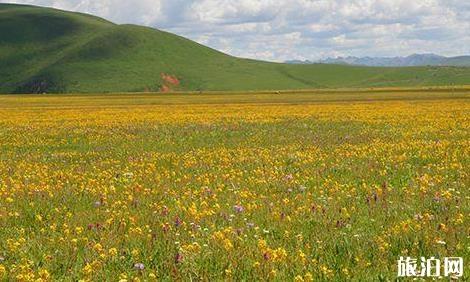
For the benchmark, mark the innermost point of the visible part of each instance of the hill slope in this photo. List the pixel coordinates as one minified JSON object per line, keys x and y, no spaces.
{"x":48,"y":50}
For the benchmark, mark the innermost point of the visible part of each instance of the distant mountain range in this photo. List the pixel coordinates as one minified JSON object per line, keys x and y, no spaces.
{"x":409,"y":61}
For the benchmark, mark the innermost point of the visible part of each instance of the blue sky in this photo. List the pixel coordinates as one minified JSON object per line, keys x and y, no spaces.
{"x":279,"y":30}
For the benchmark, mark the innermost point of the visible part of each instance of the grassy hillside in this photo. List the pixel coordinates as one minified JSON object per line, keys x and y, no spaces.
{"x":47,"y":50}
{"x":459,"y":61}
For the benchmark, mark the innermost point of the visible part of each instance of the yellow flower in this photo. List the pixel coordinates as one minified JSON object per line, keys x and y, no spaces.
{"x":79,"y":230}
{"x":88,"y":269}
{"x":44,"y":274}
{"x":262,"y":244}
{"x":279,"y":255}
{"x":135,"y":253}
{"x":459,"y":219}
{"x":273,"y":273}
{"x":113,"y":252}
{"x":227,"y":244}
{"x":302,"y":257}
{"x":97,"y":247}
{"x":123,"y":277}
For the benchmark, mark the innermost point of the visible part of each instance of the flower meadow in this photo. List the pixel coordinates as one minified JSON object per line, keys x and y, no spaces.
{"x":132,"y":189}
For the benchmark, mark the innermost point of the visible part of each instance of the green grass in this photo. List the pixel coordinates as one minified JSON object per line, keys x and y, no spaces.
{"x":46,"y":50}
{"x":334,"y":185}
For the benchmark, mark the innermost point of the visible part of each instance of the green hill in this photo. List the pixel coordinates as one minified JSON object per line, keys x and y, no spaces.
{"x":48,"y":50}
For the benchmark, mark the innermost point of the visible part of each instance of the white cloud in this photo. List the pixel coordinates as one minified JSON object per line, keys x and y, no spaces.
{"x":304,"y":29}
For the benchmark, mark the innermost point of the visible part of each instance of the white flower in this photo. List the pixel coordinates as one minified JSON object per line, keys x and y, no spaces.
{"x":139,"y":266}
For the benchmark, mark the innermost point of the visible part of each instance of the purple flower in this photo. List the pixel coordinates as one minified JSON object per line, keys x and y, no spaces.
{"x":238,"y":208}
{"x":288,"y":177}
{"x":178,"y":221}
{"x":266,"y":256}
{"x":178,"y":258}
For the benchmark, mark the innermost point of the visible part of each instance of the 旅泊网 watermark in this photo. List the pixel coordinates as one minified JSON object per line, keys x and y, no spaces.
{"x":430,"y":267}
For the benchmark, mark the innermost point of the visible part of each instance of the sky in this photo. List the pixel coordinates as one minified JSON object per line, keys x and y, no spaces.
{"x":279,"y":30}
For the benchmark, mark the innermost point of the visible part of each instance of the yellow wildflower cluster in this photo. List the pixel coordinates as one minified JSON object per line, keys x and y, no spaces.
{"x":129,"y":188}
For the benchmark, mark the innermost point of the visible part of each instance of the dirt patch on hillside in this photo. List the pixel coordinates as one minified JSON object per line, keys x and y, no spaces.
{"x":169,"y":83}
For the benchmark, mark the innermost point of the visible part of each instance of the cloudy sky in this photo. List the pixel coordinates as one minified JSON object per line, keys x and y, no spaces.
{"x":280,"y":30}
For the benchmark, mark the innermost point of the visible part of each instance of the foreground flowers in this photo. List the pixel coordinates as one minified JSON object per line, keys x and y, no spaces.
{"x":289,"y":192}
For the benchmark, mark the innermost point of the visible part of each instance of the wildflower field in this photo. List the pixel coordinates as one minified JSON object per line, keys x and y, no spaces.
{"x":278,"y":187}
